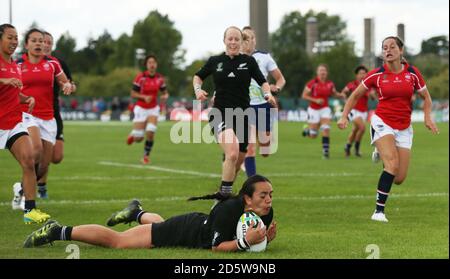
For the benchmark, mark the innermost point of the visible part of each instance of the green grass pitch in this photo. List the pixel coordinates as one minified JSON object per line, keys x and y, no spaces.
{"x":322,"y":207}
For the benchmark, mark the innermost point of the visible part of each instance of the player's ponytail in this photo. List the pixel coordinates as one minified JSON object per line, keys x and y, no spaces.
{"x":248,"y":188}
{"x":216,"y":196}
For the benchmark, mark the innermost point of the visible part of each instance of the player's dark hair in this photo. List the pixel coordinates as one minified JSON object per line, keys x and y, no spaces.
{"x":31,"y":31}
{"x":399,"y":42}
{"x":5,"y":26}
{"x":47,"y":33}
{"x":323,"y":65}
{"x":359,"y":68}
{"x":148,"y":57}
{"x":248,"y":188}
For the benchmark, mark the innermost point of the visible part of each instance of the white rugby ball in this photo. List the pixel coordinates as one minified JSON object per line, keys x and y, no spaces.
{"x":242,"y":228}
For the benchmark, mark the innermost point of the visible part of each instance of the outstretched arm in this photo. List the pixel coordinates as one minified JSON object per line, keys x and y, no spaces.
{"x":427,"y":106}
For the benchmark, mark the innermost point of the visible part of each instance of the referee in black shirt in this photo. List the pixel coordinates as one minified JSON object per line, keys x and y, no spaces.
{"x":232,"y":73}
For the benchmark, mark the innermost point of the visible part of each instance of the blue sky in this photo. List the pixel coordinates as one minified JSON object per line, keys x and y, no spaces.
{"x":202,"y":22}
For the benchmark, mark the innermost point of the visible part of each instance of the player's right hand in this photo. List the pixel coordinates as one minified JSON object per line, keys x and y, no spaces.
{"x":255,"y":235}
{"x":147,"y":99}
{"x":13,"y":82}
{"x":201,"y":95}
{"x":31,"y":102}
{"x":319,"y":101}
{"x":342,"y":123}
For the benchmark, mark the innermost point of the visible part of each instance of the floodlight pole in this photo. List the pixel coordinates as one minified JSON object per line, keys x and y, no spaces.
{"x":10,"y":11}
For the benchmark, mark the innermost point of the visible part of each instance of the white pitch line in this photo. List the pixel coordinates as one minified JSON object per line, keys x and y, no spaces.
{"x":101,"y":178}
{"x":310,"y":174}
{"x":113,"y":164}
{"x":214,"y":175}
{"x":175,"y":198}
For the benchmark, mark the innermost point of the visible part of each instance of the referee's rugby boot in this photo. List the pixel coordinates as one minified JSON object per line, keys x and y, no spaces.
{"x":379,"y":216}
{"x":18,"y":201}
{"x":35,"y":216}
{"x":126,"y":215}
{"x":46,"y":234}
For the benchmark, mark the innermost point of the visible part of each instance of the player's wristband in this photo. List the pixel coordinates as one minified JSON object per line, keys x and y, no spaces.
{"x":267,"y":95}
{"x":197,"y":88}
{"x":242,"y":244}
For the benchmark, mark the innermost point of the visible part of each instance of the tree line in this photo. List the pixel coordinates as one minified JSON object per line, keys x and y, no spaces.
{"x":106,"y":67}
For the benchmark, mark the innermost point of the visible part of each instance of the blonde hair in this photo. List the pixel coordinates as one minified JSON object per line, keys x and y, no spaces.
{"x":231,"y":27}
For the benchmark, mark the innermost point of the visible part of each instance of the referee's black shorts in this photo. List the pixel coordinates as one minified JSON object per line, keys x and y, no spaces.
{"x":219,"y":122}
{"x":59,"y":125}
{"x":180,"y":231}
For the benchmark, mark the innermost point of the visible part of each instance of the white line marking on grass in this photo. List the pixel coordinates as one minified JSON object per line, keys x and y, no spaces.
{"x":310,"y":174}
{"x":113,"y":164}
{"x":136,"y":166}
{"x":101,"y":178}
{"x":171,"y":199}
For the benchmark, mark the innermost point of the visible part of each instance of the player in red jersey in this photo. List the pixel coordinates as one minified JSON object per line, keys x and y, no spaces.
{"x":38,"y":75}
{"x":146,"y":86}
{"x":13,"y":134}
{"x":58,"y":148}
{"x":358,"y":114}
{"x":391,"y":130}
{"x":317,"y":92}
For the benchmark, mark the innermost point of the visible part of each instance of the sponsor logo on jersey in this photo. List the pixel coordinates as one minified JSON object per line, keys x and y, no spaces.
{"x":231,"y":75}
{"x":242,"y":66}
{"x":219,"y":67}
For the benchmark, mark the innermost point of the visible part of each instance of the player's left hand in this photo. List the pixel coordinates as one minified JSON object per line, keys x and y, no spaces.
{"x":272,"y":231}
{"x":429,"y":123}
{"x":67,"y":87}
{"x":31,"y":102}
{"x":342,"y":123}
{"x":271,"y":99}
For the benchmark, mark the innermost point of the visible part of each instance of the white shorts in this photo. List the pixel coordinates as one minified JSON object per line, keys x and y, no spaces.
{"x":354,"y":113}
{"x":403,"y":138}
{"x":141,"y":114}
{"x":314,"y":115}
{"x":47,"y":128}
{"x":13,"y":134}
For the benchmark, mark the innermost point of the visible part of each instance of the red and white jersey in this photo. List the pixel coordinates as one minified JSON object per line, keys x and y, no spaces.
{"x":322,"y":90}
{"x":10,"y":110}
{"x":38,"y":80}
{"x":361,"y":105}
{"x":394,"y":93}
{"x":149,"y":86}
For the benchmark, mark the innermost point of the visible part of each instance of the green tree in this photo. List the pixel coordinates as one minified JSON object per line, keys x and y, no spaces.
{"x":289,"y":41}
{"x":116,"y":83}
{"x":156,"y":34}
{"x":341,"y":61}
{"x":65,"y":50}
{"x":436,"y":45}
{"x":429,"y":64}
{"x":438,"y":85}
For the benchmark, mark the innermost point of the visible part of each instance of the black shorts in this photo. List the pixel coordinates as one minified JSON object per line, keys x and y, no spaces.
{"x":59,"y":126}
{"x":180,"y":231}
{"x":240,"y":125}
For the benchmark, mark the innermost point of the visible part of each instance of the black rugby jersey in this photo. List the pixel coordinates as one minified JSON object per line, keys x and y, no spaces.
{"x":56,"y":86}
{"x":222,"y":222}
{"x":232,"y":77}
